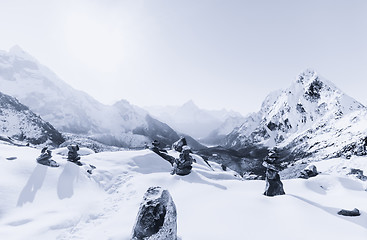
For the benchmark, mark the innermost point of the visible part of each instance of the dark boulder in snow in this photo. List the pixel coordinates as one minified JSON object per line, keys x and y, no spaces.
{"x":157,"y":217}
{"x":309,"y":171}
{"x":350,"y":213}
{"x":179,"y":144}
{"x":273,"y":186}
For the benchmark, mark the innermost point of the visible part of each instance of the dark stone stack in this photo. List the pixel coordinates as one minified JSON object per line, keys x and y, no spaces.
{"x":73,"y":155}
{"x":157,"y":217}
{"x":45,"y":158}
{"x":309,"y":171}
{"x":179,"y":144}
{"x":273,"y":186}
{"x":183,"y":164}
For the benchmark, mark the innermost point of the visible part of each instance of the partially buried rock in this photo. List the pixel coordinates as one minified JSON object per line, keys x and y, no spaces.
{"x":157,"y":217}
{"x":273,"y":186}
{"x":350,"y":213}
{"x":309,"y":171}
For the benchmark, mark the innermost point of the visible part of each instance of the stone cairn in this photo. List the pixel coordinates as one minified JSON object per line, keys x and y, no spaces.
{"x":157,"y":217}
{"x":273,"y":186}
{"x":45,"y":158}
{"x":183,"y":164}
{"x":73,"y":155}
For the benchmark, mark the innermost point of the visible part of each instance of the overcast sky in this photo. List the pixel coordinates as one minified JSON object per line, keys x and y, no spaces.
{"x":221,"y":54}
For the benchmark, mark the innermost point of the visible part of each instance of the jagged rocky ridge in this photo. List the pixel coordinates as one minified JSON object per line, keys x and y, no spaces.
{"x":73,"y":111}
{"x":312,"y":118}
{"x":19,"y":123}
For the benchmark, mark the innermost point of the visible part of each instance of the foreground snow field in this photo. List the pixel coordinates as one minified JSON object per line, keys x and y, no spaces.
{"x":39,"y":202}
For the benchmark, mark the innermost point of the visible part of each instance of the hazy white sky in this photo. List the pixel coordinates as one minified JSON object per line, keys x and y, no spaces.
{"x":219,"y":53}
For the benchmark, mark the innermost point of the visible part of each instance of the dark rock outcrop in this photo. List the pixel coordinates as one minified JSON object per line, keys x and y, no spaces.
{"x":18,"y":122}
{"x":350,"y":213}
{"x":309,"y":171}
{"x":358,"y":173}
{"x":157,"y":217}
{"x":273,"y":186}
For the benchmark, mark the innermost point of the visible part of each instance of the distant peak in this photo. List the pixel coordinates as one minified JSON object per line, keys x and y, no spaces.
{"x":189,"y":103}
{"x":307,"y":76}
{"x":122,"y":102}
{"x":19,"y":52}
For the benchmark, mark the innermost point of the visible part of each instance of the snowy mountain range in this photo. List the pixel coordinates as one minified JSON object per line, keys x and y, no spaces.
{"x":310,"y":118}
{"x":19,"y":123}
{"x":73,"y":111}
{"x":197,"y":122}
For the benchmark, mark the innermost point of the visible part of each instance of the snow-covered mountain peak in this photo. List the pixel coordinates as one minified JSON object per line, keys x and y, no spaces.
{"x":74,"y":111}
{"x":189,"y":106}
{"x":306,"y":76}
{"x":17,"y":52}
{"x":310,"y":104}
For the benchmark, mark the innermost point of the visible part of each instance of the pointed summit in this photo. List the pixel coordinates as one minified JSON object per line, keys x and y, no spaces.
{"x":17,"y":51}
{"x":190,"y":104}
{"x":307,"y":76}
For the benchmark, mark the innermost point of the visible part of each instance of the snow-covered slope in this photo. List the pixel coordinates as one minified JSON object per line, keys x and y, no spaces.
{"x":73,"y":111}
{"x":44,"y":203}
{"x":19,"y":123}
{"x":192,"y":120}
{"x":311,"y":116}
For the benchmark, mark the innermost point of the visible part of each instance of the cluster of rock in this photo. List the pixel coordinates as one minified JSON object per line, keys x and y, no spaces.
{"x":358,"y":148}
{"x":358,"y":173}
{"x":273,"y":186}
{"x":157,"y":217}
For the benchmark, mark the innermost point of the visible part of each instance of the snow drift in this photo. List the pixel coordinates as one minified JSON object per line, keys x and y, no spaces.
{"x":38,"y":202}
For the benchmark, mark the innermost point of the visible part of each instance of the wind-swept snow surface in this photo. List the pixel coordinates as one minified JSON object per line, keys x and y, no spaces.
{"x":38,"y":202}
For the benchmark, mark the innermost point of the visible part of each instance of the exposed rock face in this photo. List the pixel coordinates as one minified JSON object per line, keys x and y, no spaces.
{"x":358,"y":173}
{"x":179,"y":144}
{"x":350,"y":213}
{"x":309,"y":171}
{"x":157,"y":217}
{"x":18,"y":122}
